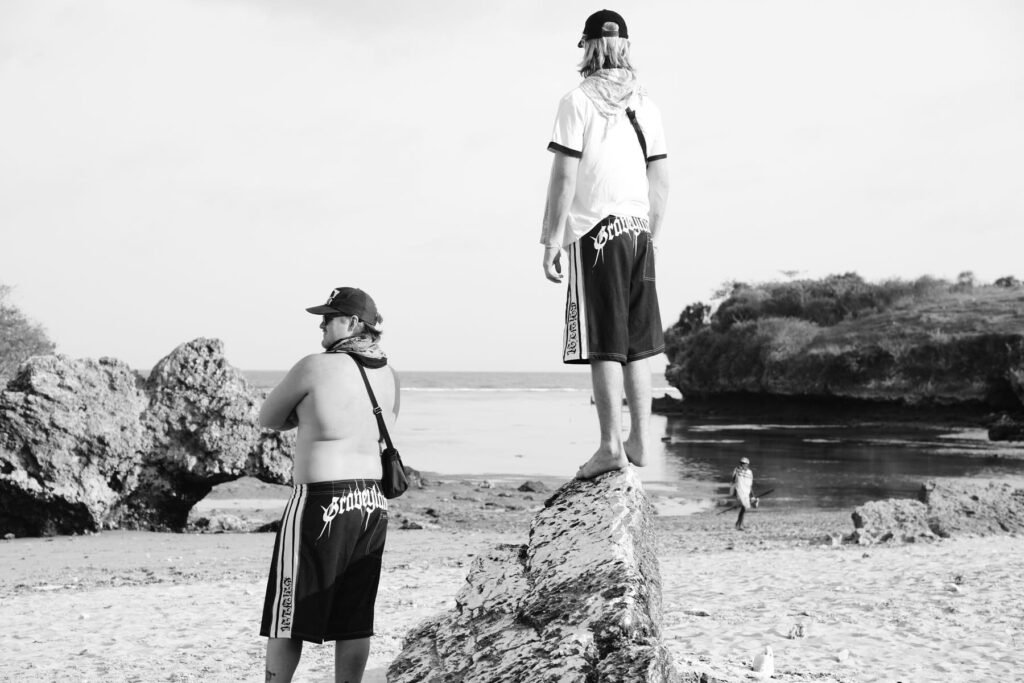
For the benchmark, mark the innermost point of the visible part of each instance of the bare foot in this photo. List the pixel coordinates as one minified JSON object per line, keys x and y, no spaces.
{"x":636,"y":450}
{"x":600,"y":462}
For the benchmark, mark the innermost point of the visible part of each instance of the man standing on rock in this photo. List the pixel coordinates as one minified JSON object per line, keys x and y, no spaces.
{"x":327,"y":555}
{"x":605,"y":204}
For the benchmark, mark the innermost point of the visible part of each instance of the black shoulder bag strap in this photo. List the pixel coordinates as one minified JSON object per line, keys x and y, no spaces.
{"x":377,"y":412}
{"x":639,"y":133}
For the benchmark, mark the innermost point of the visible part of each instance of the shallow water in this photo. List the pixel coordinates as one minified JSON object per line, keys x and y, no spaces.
{"x":837,"y":465}
{"x":808,"y":465}
{"x":523,"y":424}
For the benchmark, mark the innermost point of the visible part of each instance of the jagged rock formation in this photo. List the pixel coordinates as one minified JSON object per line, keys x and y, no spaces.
{"x":942,"y":510}
{"x":885,"y":520}
{"x":581,"y":601}
{"x":971,"y":371}
{"x":923,"y":345}
{"x":979,"y":509}
{"x":87,"y":445}
{"x":1008,"y":428}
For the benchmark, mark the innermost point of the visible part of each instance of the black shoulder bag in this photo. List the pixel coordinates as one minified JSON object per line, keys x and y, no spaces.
{"x":393,"y":481}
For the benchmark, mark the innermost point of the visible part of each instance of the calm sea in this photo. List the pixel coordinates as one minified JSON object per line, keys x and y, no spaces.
{"x":510,"y":424}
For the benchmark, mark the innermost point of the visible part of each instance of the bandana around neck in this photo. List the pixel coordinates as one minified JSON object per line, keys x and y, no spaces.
{"x":611,"y":90}
{"x":363,"y":348}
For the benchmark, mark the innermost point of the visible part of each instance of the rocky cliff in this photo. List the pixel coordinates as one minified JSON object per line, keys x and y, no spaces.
{"x":843,"y":339}
{"x":87,"y":445}
{"x":580,"y":601}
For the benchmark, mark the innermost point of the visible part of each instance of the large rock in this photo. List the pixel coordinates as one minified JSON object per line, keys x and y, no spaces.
{"x":71,"y":439}
{"x":1016,"y":378}
{"x":962,"y":508}
{"x":884,"y":520}
{"x":581,"y":601}
{"x":1006,"y":428}
{"x":86,"y":445}
{"x":851,"y":362}
{"x":942,"y":509}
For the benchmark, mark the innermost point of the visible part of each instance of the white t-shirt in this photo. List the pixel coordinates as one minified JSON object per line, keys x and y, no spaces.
{"x":612,"y":175}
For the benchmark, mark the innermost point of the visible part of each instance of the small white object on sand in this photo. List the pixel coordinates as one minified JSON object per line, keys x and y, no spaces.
{"x":764,"y":663}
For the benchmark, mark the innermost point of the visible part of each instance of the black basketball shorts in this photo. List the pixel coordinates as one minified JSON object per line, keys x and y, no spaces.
{"x":611,"y":307}
{"x":326,"y":565}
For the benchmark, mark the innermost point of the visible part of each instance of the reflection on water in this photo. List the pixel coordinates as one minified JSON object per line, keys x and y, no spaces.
{"x":833,"y":465}
{"x":830,"y":464}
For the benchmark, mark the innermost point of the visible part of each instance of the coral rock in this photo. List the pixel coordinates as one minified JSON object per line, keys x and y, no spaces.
{"x":86,"y":445}
{"x":961,"y":508}
{"x":943,"y":509}
{"x":883,"y":520}
{"x":580,"y":601}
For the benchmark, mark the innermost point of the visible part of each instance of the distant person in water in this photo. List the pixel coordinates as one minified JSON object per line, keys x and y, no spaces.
{"x":605,"y":204}
{"x":742,"y":485}
{"x":327,"y":555}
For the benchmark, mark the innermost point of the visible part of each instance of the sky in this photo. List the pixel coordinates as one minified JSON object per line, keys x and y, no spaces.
{"x":210,"y":168}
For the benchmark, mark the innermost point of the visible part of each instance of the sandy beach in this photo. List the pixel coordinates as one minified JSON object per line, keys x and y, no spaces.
{"x":140,"y":606}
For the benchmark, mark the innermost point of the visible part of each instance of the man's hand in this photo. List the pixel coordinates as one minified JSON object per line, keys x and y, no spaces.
{"x":553,"y":263}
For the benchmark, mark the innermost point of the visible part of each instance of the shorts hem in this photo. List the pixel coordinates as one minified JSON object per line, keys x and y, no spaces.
{"x":351,"y":636}
{"x":321,"y":640}
{"x":646,"y":354}
{"x":616,"y":357}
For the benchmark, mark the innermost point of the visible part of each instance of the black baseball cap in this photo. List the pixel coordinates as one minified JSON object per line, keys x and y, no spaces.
{"x":604,"y":24}
{"x":350,"y":301}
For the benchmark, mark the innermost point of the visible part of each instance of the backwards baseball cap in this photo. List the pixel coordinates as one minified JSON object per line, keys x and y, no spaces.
{"x":604,"y":24}
{"x":350,"y":301}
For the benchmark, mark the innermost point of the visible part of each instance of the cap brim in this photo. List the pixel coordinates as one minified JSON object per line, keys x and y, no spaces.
{"x":322,"y":310}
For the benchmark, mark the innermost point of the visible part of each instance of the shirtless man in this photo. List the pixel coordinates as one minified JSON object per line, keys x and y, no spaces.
{"x":327,"y":555}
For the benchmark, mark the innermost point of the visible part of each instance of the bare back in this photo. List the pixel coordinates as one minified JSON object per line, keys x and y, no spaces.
{"x":337,"y":431}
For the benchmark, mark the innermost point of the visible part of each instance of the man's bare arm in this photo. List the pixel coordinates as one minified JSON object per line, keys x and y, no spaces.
{"x":278,"y":411}
{"x":398,"y":393}
{"x":657,"y":180}
{"x":561,"y":188}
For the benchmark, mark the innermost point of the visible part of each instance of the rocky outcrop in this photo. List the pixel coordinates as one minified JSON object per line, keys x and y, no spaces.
{"x":979,"y":509}
{"x":1006,"y":428}
{"x":885,"y":520}
{"x":87,"y":445}
{"x":666,"y":405}
{"x":967,"y":371}
{"x":923,"y":345}
{"x":942,"y":510}
{"x":581,"y":601}
{"x":71,"y":439}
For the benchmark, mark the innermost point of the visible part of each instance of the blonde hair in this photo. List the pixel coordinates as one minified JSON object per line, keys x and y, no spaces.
{"x":605,"y":53}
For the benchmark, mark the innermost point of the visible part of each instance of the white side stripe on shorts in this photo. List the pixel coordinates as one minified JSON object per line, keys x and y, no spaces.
{"x":287,"y":565}
{"x":574,"y":341}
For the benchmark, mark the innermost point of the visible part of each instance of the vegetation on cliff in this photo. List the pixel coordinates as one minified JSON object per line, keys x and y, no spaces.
{"x":20,"y":337}
{"x":923,"y":341}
